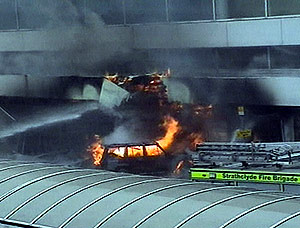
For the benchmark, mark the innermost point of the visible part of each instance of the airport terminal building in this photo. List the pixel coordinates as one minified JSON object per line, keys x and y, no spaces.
{"x":149,"y":87}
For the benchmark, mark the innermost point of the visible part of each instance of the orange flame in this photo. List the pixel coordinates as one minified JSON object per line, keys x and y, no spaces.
{"x":136,"y":151}
{"x":178,"y":168}
{"x":97,"y":151}
{"x":172,"y":127}
{"x":153,"y":150}
{"x":119,"y":151}
{"x":195,"y":138}
{"x":181,"y":165}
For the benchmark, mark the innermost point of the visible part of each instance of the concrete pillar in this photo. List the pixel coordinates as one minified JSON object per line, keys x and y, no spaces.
{"x":287,"y":129}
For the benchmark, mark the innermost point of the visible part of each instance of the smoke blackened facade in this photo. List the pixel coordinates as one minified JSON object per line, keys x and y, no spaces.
{"x":223,"y":55}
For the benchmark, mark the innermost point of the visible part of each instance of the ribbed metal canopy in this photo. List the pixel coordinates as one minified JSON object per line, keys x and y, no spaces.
{"x":43,"y":195}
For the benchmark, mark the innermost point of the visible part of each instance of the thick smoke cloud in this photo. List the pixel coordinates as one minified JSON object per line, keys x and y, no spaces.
{"x":73,"y":42}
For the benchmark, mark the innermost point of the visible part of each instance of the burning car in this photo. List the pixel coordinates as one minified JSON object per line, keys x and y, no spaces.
{"x":142,"y":158}
{"x":149,"y":157}
{"x":135,"y":158}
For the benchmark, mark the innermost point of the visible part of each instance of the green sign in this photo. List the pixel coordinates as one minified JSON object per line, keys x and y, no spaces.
{"x":245,"y":176}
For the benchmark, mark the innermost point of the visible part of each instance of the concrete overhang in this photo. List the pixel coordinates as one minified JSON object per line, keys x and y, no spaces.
{"x":211,"y":34}
{"x":277,"y":91}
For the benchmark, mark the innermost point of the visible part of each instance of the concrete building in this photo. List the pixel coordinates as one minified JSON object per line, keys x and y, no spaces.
{"x":228,"y":53}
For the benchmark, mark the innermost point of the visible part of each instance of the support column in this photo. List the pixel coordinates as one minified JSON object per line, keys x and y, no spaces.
{"x":287,"y":129}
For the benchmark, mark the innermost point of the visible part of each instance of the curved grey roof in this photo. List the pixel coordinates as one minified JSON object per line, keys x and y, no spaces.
{"x":43,"y":195}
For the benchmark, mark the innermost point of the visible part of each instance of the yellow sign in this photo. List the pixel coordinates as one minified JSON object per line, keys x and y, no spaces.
{"x":241,"y":110}
{"x":244,"y":134}
{"x":245,"y":176}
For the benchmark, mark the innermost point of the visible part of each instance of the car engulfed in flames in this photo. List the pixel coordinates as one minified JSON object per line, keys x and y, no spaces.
{"x":135,"y":158}
{"x":138,"y":157}
{"x":124,"y":151}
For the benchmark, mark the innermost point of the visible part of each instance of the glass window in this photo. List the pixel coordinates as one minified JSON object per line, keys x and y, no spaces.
{"x":239,"y":8}
{"x":118,"y":151}
{"x":153,"y":150}
{"x":111,"y":11}
{"x":145,"y":11}
{"x":190,"y":10}
{"x":7,"y":15}
{"x":284,"y":7}
{"x":135,"y":151}
{"x":242,"y":58}
{"x":285,"y":57}
{"x":79,"y":6}
{"x":50,"y":13}
{"x":31,"y":14}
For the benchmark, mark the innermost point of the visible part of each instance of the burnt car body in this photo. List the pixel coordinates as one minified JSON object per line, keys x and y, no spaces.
{"x":142,"y":158}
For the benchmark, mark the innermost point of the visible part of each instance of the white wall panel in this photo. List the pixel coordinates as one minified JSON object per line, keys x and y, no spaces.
{"x":11,"y":41}
{"x":254,"y":33}
{"x":291,"y":31}
{"x":202,"y":34}
{"x":59,"y":39}
{"x":285,"y":91}
{"x":244,"y":33}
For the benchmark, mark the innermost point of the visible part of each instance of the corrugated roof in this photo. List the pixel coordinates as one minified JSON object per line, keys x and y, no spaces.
{"x":43,"y":195}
